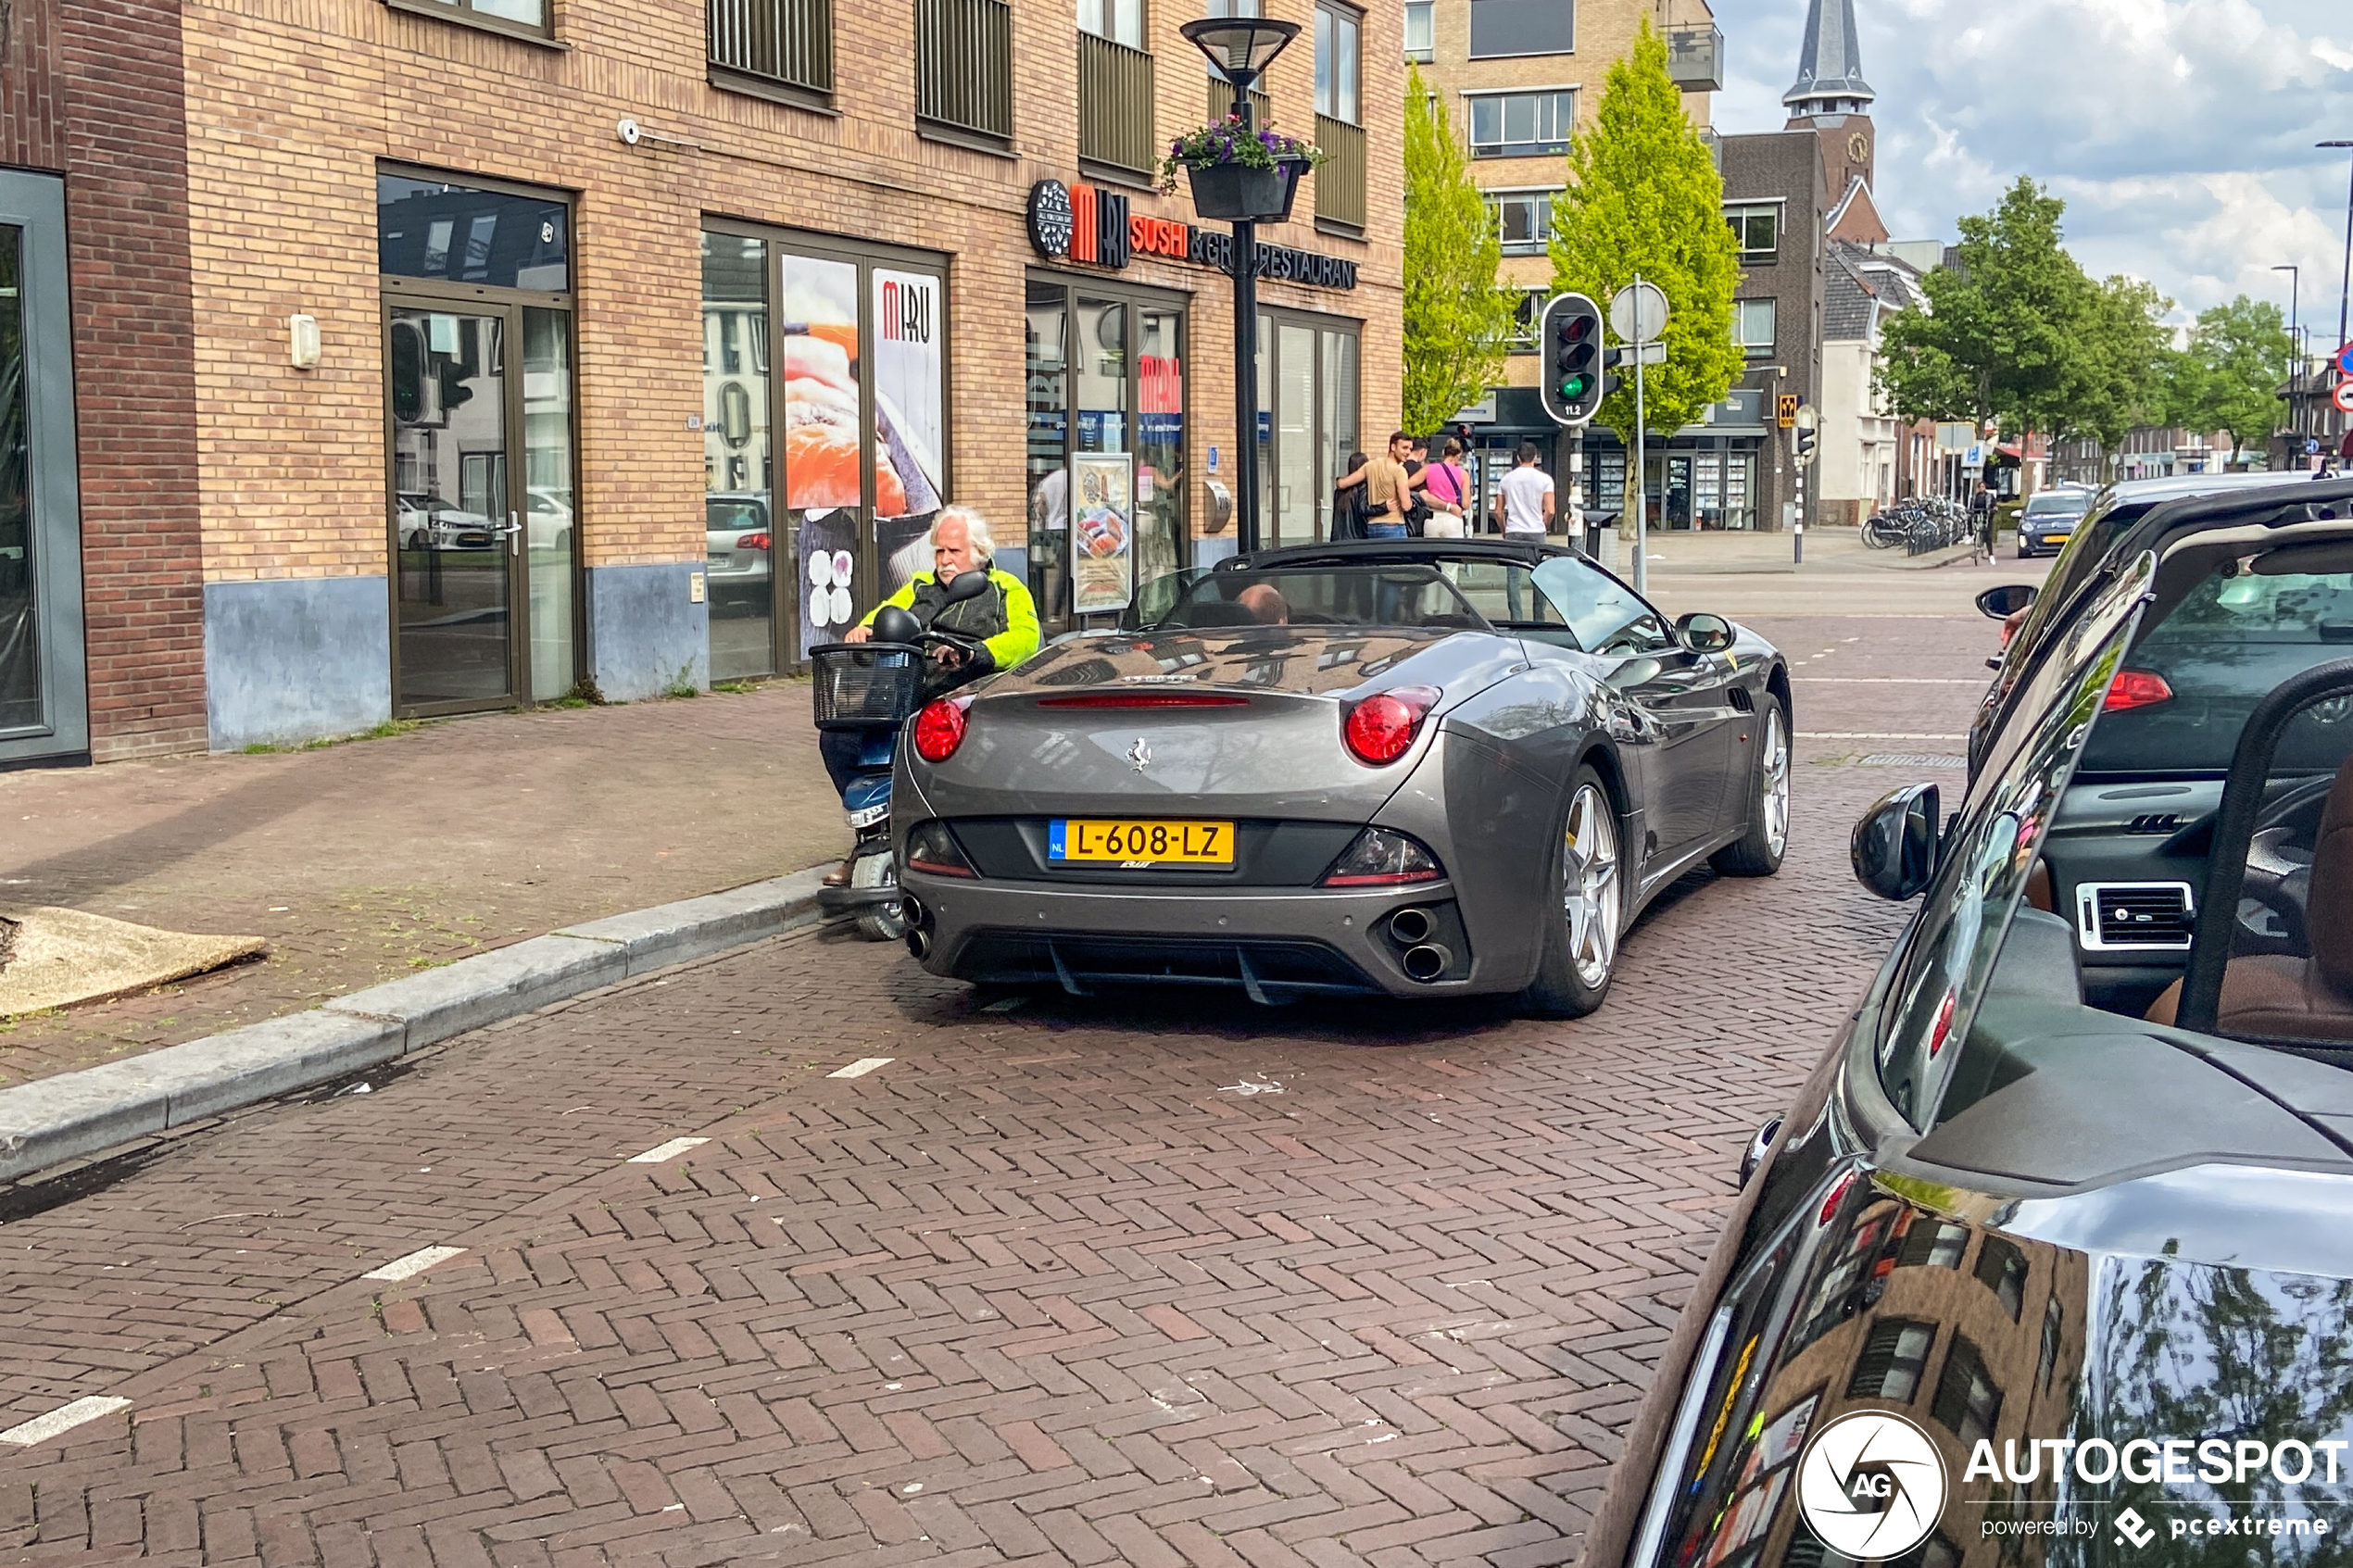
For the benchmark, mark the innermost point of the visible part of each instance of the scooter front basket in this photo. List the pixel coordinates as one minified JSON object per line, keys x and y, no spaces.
{"x":859,"y":685}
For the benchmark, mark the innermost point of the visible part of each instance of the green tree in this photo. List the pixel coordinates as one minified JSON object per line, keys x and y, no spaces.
{"x":2003,"y":328}
{"x":2228,"y":377}
{"x":2118,"y":375}
{"x":1458,"y":322}
{"x":1645,"y":198}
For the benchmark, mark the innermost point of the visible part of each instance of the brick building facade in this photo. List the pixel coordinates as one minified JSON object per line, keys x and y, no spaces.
{"x":570,"y":267}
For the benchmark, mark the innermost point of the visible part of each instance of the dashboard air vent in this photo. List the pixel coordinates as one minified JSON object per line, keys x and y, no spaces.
{"x":2127,"y":916}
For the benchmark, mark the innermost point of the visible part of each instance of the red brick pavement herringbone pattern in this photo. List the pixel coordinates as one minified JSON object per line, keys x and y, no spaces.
{"x":1047,"y":1288}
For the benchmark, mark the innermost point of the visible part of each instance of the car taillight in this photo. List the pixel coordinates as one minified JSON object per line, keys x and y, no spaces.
{"x":1381,"y":728}
{"x":939,"y":728}
{"x":931,"y":847}
{"x":2136,"y":688}
{"x":1837,"y":1195}
{"x":1379,"y":858}
{"x":752,"y":541}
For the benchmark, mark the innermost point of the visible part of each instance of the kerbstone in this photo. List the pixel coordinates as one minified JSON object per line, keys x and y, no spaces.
{"x":489,"y":987}
{"x":695,"y":928}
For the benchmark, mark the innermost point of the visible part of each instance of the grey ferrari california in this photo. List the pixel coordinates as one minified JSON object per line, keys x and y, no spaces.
{"x":1416,"y":768}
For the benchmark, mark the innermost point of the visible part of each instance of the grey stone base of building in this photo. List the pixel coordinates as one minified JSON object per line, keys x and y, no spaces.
{"x":647,"y":635}
{"x":294,"y":659}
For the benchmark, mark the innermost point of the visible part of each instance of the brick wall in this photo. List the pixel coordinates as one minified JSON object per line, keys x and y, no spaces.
{"x":91,"y":89}
{"x":293,"y":102}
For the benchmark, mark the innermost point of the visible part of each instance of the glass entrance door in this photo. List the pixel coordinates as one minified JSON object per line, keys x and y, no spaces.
{"x":455,"y":529}
{"x":21,"y":695}
{"x":1667,"y":496}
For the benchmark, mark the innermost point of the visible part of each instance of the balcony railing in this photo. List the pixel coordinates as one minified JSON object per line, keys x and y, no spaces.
{"x":1713,"y":140}
{"x":1696,"y":58}
{"x":965,"y":65}
{"x":1115,"y":107}
{"x":789,"y":42}
{"x":1221,"y":103}
{"x":1339,"y":183}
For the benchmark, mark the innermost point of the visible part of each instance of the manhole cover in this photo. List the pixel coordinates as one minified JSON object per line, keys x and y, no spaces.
{"x":1910,"y":759}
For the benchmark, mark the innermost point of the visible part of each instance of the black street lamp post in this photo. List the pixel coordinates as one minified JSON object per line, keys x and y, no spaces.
{"x":2344,"y":289}
{"x":1240,"y":48}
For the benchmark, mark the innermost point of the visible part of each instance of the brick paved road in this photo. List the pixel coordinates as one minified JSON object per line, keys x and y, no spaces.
{"x":1053,"y":1285}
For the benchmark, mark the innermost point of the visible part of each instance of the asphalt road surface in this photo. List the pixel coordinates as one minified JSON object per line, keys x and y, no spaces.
{"x":799,"y":1256}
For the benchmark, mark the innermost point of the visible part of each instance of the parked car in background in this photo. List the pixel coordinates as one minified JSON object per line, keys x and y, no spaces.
{"x":741,"y":549}
{"x":2060,"y":1213}
{"x":429,"y":523}
{"x":2048,"y":517}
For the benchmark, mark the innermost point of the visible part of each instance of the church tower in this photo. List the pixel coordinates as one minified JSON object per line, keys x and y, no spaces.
{"x":1831,"y":99}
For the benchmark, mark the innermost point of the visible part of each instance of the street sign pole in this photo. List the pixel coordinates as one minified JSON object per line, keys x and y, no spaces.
{"x":1641,"y":467}
{"x":1801,"y":437}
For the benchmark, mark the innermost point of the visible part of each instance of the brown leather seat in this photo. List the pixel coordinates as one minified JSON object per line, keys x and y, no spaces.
{"x":2290,"y":997}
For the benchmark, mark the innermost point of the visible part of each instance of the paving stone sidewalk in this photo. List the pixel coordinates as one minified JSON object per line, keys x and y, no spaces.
{"x":371,"y":859}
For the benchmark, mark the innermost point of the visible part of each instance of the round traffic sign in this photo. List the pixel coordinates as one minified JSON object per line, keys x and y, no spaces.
{"x":2344,"y":359}
{"x":2343,"y":397}
{"x":1638,"y":313}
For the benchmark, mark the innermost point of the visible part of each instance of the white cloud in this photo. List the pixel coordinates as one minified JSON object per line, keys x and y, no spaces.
{"x":2179,"y":131}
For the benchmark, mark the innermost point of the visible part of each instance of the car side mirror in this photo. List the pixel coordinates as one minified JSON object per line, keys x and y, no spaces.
{"x":1704,"y":633}
{"x":965,"y":585}
{"x":1895,"y":846}
{"x":2000,"y":604}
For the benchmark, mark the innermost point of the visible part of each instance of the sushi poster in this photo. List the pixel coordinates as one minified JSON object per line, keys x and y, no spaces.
{"x":1102,"y":540}
{"x":821,"y":369}
{"x":908,"y":343}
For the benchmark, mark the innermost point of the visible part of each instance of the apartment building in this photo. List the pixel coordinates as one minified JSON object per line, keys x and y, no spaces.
{"x":1520,"y":77}
{"x":419,"y":357}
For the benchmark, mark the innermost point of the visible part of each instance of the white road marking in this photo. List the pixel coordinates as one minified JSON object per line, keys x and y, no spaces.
{"x":862,"y":1066}
{"x":415,"y":1263}
{"x":1890,"y":681}
{"x":1251,"y":1087}
{"x":1874,"y":735}
{"x":662,"y":1151}
{"x":65,"y":1418}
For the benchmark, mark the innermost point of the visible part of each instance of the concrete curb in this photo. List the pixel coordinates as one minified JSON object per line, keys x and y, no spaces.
{"x":53,"y":1120}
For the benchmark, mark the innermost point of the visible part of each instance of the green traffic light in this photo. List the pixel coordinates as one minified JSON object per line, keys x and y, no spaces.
{"x":1575,"y":388}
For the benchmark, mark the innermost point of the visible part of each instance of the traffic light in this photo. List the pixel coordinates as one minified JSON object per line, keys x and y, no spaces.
{"x":1569,"y":337}
{"x":1804,"y":436}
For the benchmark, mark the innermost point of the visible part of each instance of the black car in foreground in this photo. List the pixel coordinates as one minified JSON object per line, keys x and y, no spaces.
{"x":2052,"y":1259}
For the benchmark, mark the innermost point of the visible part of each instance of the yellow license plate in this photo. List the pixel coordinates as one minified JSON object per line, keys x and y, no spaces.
{"x":1125,"y":842}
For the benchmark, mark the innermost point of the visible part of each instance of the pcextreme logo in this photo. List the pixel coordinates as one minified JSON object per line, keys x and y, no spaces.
{"x":1872,"y":1485}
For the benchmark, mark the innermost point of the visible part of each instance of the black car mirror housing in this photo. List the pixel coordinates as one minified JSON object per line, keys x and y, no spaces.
{"x":2000,"y":604}
{"x":1896,"y":842}
{"x":1702,"y":633}
{"x":894,"y":624}
{"x":966,"y":585}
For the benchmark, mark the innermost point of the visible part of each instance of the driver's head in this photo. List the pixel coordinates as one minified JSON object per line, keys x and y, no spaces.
{"x":960,"y":543}
{"x":1264,"y":604}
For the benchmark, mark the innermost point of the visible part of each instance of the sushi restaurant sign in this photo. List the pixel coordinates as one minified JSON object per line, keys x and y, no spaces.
{"x":1082,"y":223}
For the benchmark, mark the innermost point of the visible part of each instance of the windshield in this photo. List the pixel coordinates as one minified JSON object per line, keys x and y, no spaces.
{"x":1991,"y":846}
{"x":2058,"y":503}
{"x":2196,"y":674}
{"x":1326,"y":595}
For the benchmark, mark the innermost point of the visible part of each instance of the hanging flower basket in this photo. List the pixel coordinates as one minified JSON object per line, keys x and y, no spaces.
{"x":1238,"y":174}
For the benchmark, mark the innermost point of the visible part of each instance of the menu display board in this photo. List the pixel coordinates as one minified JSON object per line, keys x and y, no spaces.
{"x":1102,"y":532}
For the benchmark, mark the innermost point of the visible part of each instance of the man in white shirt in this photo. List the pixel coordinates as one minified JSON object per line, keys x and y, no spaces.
{"x":1528,"y":496}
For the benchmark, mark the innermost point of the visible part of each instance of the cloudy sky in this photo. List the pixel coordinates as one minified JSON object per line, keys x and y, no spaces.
{"x":2179,"y":131}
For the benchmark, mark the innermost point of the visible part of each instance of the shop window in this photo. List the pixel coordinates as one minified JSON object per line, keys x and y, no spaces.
{"x":1524,"y":220}
{"x":44,"y":678}
{"x":1308,"y":384}
{"x":1936,"y":1244}
{"x":1503,"y":28}
{"x":1521,"y":124}
{"x":740,"y":535}
{"x":2054,"y":1318}
{"x":1421,"y":31}
{"x":1752,"y":326}
{"x":1756,"y":228}
{"x":527,"y":16}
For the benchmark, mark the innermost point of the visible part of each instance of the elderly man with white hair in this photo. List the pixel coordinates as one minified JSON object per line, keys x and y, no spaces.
{"x":1005,"y":620}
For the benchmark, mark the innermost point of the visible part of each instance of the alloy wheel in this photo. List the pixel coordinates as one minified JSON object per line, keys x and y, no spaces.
{"x":1775,"y":793}
{"x":1590,"y":886}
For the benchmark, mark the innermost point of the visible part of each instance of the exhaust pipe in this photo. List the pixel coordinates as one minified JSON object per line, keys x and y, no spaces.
{"x":918,"y":941}
{"x":1426,"y":961}
{"x":1409,"y":926}
{"x":912,"y":908}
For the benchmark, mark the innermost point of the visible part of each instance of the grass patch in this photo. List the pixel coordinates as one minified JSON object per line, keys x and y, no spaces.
{"x":384,"y":730}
